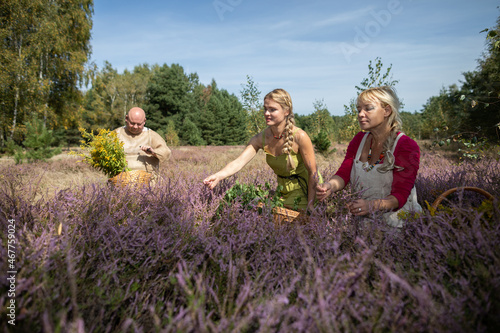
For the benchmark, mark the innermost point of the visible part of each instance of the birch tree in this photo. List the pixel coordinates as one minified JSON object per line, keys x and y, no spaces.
{"x":44,"y":46}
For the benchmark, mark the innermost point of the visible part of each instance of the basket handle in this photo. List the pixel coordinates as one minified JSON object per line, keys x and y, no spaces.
{"x":465,"y":188}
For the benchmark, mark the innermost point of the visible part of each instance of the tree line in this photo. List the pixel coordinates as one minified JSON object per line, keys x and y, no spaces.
{"x":44,"y":69}
{"x":177,"y":105}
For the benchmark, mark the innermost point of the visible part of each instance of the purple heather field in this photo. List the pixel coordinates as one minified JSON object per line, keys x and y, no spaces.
{"x":90,"y":257}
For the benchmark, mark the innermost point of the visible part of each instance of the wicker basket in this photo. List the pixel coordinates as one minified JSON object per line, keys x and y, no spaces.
{"x":134,"y":177}
{"x":450,"y":191}
{"x":285,"y":215}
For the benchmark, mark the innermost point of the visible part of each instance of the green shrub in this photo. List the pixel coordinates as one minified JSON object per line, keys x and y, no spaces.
{"x":38,"y":144}
{"x":322,"y":143}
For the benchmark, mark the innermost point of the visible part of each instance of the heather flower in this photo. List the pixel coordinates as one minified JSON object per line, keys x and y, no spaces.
{"x":156,"y":260}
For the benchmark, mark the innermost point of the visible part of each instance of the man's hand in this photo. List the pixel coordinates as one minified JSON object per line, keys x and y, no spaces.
{"x":148,"y":150}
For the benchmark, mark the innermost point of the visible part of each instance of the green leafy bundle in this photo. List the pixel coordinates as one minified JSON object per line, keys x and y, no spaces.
{"x":250,"y":196}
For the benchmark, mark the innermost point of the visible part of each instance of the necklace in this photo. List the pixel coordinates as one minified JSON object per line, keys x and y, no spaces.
{"x":277,"y":137}
{"x":368,"y":167}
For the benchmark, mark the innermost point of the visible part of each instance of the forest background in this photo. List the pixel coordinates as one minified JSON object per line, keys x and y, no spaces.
{"x":49,"y":89}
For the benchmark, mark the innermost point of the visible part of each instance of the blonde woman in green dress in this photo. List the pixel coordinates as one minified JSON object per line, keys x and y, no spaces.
{"x":289,"y":152}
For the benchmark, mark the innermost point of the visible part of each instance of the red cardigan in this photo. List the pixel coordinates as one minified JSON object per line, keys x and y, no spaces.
{"x":406,"y":155}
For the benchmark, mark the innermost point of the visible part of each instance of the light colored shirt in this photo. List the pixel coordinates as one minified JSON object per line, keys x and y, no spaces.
{"x":138,"y":159}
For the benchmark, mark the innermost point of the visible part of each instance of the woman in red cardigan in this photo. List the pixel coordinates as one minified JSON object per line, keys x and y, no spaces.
{"x":381,"y":162}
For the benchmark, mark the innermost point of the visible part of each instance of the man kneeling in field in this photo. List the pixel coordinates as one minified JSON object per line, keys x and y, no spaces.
{"x":144,"y":148}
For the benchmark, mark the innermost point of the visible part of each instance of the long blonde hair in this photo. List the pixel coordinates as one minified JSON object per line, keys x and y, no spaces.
{"x":282,"y":97}
{"x":387,"y":96}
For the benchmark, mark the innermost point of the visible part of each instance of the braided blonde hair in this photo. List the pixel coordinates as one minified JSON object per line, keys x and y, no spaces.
{"x":387,"y":96}
{"x":282,"y":97}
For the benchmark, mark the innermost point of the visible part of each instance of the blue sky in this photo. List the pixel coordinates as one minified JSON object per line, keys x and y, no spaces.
{"x":315,"y":49}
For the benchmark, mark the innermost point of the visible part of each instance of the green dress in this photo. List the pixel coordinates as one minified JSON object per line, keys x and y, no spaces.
{"x":294,"y":182}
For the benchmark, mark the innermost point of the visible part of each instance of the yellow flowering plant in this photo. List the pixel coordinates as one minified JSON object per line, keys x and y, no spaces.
{"x":103,"y":151}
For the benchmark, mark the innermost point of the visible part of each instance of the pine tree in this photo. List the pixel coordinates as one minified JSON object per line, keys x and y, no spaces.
{"x":321,"y":143}
{"x":168,"y":94}
{"x":192,"y":133}
{"x":38,"y":143}
{"x":224,"y":122}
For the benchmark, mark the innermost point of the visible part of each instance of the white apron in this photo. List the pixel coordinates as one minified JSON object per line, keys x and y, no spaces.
{"x":378,"y":185}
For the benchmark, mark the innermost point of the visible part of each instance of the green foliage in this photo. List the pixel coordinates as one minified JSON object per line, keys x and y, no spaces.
{"x":469,"y":118}
{"x":481,"y":90}
{"x":412,"y":124}
{"x":192,"y":134}
{"x":350,"y":121}
{"x":322,"y":144}
{"x":112,"y":94}
{"x":250,"y":196}
{"x":66,"y":137}
{"x":376,"y":77}
{"x":14,"y":150}
{"x":223,"y":120}
{"x":469,"y":145}
{"x":444,"y":111}
{"x":169,"y":94}
{"x":252,"y":104}
{"x":38,"y":144}
{"x":321,"y":120}
{"x":474,"y":148}
{"x":296,"y":202}
{"x":304,"y":122}
{"x":493,"y":37}
{"x":483,"y":101}
{"x":44,"y":46}
{"x":205,"y":115}
{"x":171,"y":137}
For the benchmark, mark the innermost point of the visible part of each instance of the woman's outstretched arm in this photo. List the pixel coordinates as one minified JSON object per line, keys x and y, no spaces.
{"x":236,"y":165}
